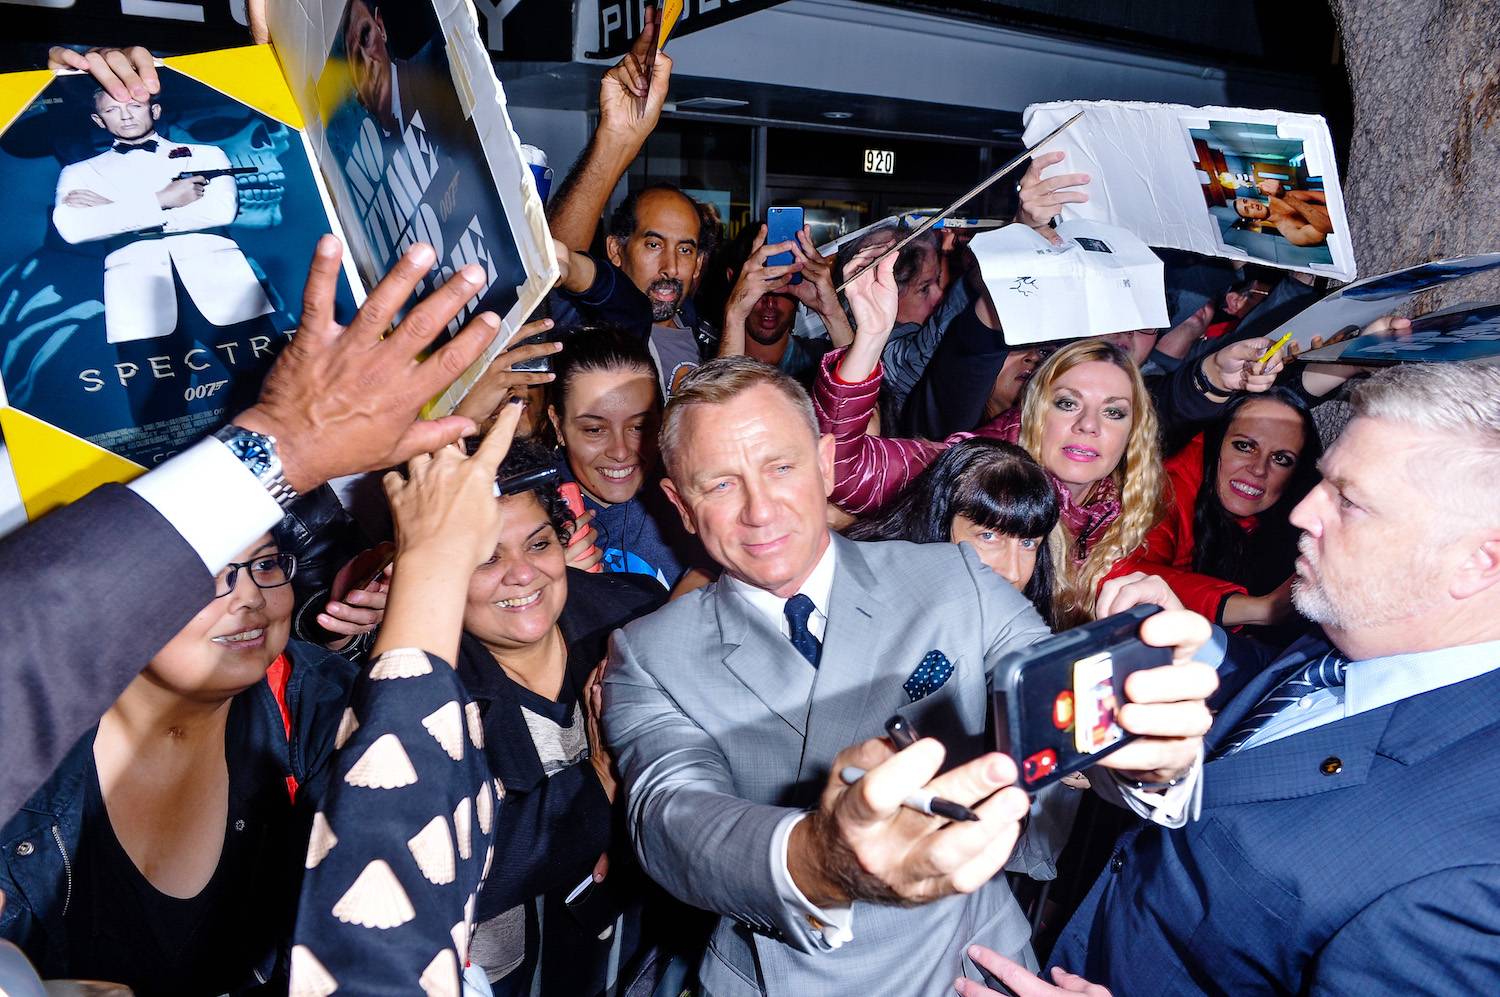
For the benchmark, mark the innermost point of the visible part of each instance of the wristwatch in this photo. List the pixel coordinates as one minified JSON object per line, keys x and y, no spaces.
{"x":257,"y":452}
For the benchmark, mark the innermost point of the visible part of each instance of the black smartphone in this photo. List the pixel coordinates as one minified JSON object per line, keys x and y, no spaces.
{"x":1054,"y":704}
{"x":782,"y":225}
{"x":542,"y":363}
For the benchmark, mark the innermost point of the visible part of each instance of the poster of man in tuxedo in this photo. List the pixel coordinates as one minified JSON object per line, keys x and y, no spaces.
{"x":405,"y":156}
{"x":153,"y":259}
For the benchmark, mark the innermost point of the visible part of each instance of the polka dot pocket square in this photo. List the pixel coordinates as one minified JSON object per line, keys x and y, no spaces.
{"x":929,"y":676}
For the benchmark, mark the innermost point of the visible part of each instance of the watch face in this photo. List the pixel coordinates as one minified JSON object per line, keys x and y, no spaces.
{"x":253,"y":453}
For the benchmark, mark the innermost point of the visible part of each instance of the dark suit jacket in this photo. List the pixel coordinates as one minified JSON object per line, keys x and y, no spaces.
{"x":1361,"y":857}
{"x":90,"y":592}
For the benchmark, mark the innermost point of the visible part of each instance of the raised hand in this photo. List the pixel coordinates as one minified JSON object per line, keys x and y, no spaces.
{"x":1167,"y":706}
{"x":1237,"y":367}
{"x":124,"y":73}
{"x":816,"y":290}
{"x":357,"y":597}
{"x":862,"y":844}
{"x":582,"y":553}
{"x":501,"y":380}
{"x":447,"y":523}
{"x":756,"y":280}
{"x":1041,"y":199}
{"x":341,"y":400}
{"x":623,"y":87}
{"x":872,"y":298}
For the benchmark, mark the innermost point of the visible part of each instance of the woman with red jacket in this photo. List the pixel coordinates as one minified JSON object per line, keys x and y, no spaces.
{"x":1227,"y":550}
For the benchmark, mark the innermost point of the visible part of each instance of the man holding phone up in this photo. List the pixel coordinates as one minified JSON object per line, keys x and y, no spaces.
{"x":655,"y":248}
{"x":731,"y":711}
{"x":783,"y":268}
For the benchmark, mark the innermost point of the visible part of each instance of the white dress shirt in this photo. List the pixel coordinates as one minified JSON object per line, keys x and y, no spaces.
{"x":1369,"y":685}
{"x":211,"y":499}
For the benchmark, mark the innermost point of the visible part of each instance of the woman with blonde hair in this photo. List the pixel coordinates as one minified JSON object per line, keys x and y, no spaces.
{"x":1087,"y":418}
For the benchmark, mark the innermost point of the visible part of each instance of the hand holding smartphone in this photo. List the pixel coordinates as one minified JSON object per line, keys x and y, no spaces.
{"x":1055,"y":705}
{"x":572,"y":496}
{"x":783,"y":225}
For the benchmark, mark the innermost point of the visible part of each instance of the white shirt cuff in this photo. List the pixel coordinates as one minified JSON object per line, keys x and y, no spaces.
{"x":831,"y":927}
{"x":211,"y":499}
{"x":1171,"y":807}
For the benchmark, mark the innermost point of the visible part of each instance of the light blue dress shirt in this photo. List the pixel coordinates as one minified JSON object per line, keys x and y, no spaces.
{"x":1378,"y":682}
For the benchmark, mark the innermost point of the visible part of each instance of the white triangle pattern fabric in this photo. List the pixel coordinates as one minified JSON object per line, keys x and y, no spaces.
{"x":440,"y":978}
{"x":320,"y":840}
{"x":489,"y":857}
{"x":499,"y":791}
{"x":309,"y":976}
{"x":401,"y":663}
{"x":476,"y":725}
{"x":446,"y":725}
{"x":348,"y":724}
{"x":376,"y":900}
{"x":384,"y":765}
{"x":483,"y":808}
{"x":463,"y":828}
{"x":460,"y":933}
{"x":432,"y":847}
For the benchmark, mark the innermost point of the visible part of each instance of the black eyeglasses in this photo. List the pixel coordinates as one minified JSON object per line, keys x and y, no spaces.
{"x":269,"y":572}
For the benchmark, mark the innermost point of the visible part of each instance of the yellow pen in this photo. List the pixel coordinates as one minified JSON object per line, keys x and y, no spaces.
{"x":1266,"y":356}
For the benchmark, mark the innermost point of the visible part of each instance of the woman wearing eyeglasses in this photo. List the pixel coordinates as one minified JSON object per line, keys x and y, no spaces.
{"x":165,"y":852}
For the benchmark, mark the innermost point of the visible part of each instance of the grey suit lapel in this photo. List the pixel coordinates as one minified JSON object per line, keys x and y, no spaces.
{"x":849,"y":692}
{"x":762,"y":659}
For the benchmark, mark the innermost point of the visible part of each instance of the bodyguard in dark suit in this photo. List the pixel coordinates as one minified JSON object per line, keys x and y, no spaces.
{"x":1348,"y":838}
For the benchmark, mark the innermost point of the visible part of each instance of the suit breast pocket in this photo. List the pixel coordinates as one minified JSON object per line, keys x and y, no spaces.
{"x":954,"y":712}
{"x":1244,"y":941}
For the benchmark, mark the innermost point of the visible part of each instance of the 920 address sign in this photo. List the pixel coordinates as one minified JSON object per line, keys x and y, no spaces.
{"x":880,"y":161}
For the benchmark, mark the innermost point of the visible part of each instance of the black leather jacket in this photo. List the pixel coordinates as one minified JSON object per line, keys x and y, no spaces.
{"x":324,"y":537}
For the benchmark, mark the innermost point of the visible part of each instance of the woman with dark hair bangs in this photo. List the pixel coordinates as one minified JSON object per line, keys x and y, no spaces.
{"x":989,"y":494}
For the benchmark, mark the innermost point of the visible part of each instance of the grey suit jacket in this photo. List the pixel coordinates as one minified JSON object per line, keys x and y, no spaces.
{"x":723,"y":732}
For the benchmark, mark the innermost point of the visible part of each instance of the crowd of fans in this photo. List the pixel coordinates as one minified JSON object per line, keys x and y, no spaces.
{"x":579,"y":719}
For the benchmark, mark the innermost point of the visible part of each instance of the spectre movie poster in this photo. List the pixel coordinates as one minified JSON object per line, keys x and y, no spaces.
{"x":153,"y":259}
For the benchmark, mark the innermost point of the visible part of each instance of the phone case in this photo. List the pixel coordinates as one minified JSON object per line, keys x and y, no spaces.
{"x":782,"y":225}
{"x":572,"y":496}
{"x":535,"y":364}
{"x":1054,"y":704}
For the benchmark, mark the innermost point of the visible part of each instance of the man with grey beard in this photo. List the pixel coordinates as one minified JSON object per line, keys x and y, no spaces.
{"x":1347,"y":841}
{"x":654,"y":255}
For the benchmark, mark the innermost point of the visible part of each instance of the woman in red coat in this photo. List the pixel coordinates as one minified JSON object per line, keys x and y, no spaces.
{"x":1227,"y":550}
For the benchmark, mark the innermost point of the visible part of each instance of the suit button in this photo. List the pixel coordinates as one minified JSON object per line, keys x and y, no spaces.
{"x":25,"y":848}
{"x":1116,"y":861}
{"x":1332,"y":765}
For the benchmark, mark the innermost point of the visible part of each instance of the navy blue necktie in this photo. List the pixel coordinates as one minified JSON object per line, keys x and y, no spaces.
{"x":799,"y":609}
{"x":123,"y":147}
{"x":1327,"y":672}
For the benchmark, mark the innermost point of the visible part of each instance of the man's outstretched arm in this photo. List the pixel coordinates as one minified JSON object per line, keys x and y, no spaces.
{"x":580,"y":200}
{"x":95,"y":589}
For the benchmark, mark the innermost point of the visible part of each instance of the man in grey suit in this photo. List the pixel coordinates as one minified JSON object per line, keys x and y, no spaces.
{"x":727,"y":710}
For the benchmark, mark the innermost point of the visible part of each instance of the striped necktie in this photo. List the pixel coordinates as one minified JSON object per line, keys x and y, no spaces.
{"x":1326,"y":672}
